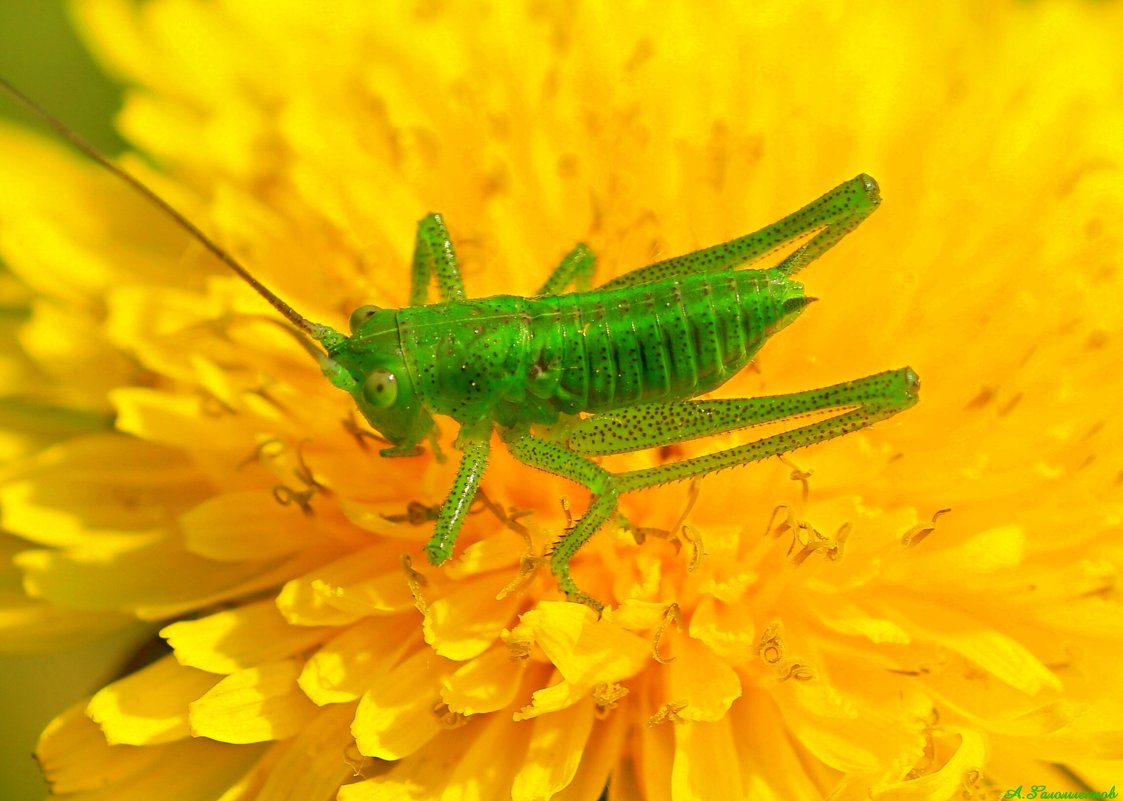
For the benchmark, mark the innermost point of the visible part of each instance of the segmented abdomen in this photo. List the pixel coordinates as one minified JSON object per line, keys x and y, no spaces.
{"x":515,"y":359}
{"x":656,"y":342}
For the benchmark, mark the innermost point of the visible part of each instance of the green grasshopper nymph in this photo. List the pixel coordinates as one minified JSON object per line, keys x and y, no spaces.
{"x":565,"y":376}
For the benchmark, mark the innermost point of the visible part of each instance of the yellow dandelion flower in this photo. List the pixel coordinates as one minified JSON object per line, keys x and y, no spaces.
{"x":924,"y":610}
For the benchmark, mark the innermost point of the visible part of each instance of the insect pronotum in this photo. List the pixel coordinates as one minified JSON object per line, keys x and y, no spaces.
{"x":565,"y":376}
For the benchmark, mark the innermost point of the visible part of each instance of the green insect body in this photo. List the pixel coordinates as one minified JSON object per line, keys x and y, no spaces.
{"x":565,"y":377}
{"x":531,"y":360}
{"x":611,"y":370}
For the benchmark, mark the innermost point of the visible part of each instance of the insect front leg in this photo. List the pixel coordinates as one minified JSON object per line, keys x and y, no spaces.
{"x":575,"y":268}
{"x":475,"y":442}
{"x":433,"y":255}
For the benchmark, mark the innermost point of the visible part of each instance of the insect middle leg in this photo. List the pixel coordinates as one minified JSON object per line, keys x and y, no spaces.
{"x":862,"y":403}
{"x":556,"y":459}
{"x":435,"y":256}
{"x":575,"y":268}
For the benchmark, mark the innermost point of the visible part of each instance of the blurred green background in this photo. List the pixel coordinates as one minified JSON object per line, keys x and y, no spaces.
{"x":40,"y":53}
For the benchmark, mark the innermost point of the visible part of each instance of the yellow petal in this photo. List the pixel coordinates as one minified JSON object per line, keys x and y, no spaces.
{"x":724,"y":628}
{"x":126,"y":772}
{"x":701,"y":683}
{"x":27,"y":624}
{"x":853,"y":621}
{"x":369,"y":581}
{"x":705,"y":763}
{"x":1096,"y":618}
{"x":657,"y":761}
{"x":1004,"y":658}
{"x":772,"y":767}
{"x":555,"y":748}
{"x":1001,"y":656}
{"x":315,"y":763}
{"x":253,"y":705}
{"x":397,"y":716}
{"x":966,"y":761}
{"x":70,"y":259}
{"x":343,"y":668}
{"x":78,"y":367}
{"x":74,"y":755}
{"x":553,"y":698}
{"x":600,"y":760}
{"x":240,"y":638}
{"x":584,"y":649}
{"x":848,"y":737}
{"x":177,"y":420}
{"x":156,"y":578}
{"x":984,"y":553}
{"x":496,"y":552}
{"x":34,"y":626}
{"x":98,"y":484}
{"x":245,"y":525}
{"x":480,"y":756}
{"x":465,"y":622}
{"x":484,"y":684}
{"x":149,"y":706}
{"x":490,"y":759}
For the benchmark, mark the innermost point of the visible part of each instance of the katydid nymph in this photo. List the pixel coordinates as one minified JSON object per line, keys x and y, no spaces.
{"x":564,"y":377}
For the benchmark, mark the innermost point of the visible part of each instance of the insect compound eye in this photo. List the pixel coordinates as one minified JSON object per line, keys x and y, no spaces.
{"x":361,"y":315}
{"x":381,"y":389}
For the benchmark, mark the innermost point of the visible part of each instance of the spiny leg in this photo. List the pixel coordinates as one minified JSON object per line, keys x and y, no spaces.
{"x":866,"y":400}
{"x":861,"y":198}
{"x":433,"y":255}
{"x":475,"y":441}
{"x":553,"y":458}
{"x":576,"y":268}
{"x":870,"y":400}
{"x":652,"y":425}
{"x":830,"y":218}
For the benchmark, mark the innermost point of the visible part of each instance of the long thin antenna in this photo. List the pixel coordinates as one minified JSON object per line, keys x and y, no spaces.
{"x":311,"y":329}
